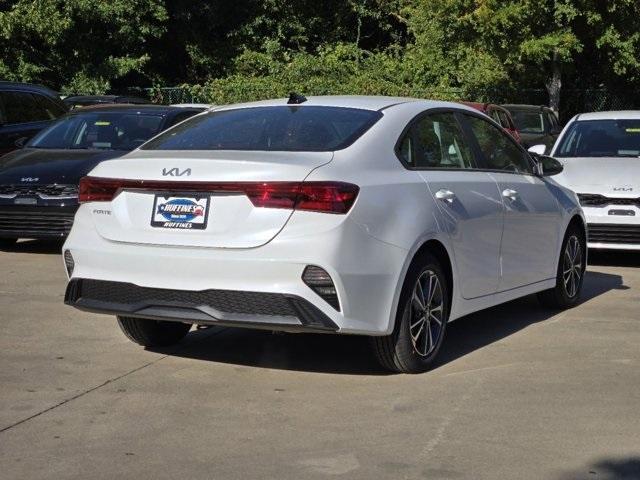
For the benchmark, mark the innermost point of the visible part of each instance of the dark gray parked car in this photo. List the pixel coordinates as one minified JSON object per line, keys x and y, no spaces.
{"x":536,"y":124}
{"x":25,"y":109}
{"x":78,"y":101}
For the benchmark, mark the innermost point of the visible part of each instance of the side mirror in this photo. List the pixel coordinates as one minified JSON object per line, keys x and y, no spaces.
{"x":538,"y":149}
{"x":546,"y":166}
{"x":19,"y":143}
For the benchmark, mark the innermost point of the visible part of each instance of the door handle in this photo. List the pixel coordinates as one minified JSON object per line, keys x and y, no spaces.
{"x":446,"y":195}
{"x":510,"y":194}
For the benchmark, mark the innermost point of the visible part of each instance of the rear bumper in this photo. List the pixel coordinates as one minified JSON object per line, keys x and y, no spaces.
{"x":274,"y":311}
{"x":365,"y":272}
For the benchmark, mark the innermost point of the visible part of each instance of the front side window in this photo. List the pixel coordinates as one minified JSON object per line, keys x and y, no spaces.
{"x":601,"y":138}
{"x":498,"y":149}
{"x":99,"y":130}
{"x":435,"y":141}
{"x":276,"y":128}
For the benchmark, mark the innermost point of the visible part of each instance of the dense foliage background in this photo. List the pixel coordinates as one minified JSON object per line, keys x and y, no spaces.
{"x":248,"y":49}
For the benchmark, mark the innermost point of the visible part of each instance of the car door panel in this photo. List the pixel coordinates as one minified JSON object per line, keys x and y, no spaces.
{"x":531,"y":213}
{"x":469,"y":206}
{"x":530,"y":237}
{"x":473,"y":219}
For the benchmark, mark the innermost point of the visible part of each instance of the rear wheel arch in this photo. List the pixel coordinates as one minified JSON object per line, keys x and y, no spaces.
{"x":437,"y":249}
{"x":399,"y":350}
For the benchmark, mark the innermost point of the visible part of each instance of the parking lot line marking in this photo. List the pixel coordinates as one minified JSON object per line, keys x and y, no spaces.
{"x":107,"y":382}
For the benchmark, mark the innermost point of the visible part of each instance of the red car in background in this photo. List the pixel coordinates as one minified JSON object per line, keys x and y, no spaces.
{"x":500,"y":114}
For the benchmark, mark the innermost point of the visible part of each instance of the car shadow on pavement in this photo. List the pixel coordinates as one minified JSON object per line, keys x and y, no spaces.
{"x":47,"y":247}
{"x":614,"y":258}
{"x":488,"y":326}
{"x":607,"y":469}
{"x":344,"y":354}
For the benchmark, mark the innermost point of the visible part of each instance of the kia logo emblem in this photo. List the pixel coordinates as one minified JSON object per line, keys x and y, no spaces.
{"x":176,"y":172}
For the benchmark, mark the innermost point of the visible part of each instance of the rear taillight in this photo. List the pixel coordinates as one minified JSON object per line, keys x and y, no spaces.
{"x":326,"y":197}
{"x":93,"y":189}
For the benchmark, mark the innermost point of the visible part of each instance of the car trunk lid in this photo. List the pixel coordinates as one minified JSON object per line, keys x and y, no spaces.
{"x":200,"y":199}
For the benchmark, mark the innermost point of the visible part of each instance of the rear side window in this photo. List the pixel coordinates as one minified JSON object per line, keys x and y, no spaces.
{"x":435,"y":141}
{"x":498,"y":149}
{"x":278,"y":128}
{"x":51,"y":109}
{"x":21,"y":107}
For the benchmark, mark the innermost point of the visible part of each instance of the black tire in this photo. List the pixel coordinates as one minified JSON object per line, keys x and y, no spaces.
{"x":566,"y":294}
{"x":6,"y":243}
{"x":399,"y":352}
{"x":153,"y":333}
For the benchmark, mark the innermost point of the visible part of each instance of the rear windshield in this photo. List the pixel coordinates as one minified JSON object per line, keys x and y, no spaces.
{"x":601,"y":138}
{"x":99,"y":130}
{"x":528,"y":122}
{"x":285,"y":128}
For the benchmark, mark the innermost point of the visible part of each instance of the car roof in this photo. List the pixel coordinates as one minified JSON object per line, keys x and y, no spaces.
{"x":364,"y":102}
{"x":517,"y":106}
{"x":611,"y":115}
{"x":27,"y":86}
{"x":477,"y":105}
{"x":96,"y":97}
{"x":103,"y":98}
{"x":124,"y":107}
{"x":206,"y":106}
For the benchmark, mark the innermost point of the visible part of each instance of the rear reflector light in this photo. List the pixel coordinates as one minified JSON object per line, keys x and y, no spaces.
{"x":69,"y":263}
{"x":326,"y":197}
{"x":320,"y":282}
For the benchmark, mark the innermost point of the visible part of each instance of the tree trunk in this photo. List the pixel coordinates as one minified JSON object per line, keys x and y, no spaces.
{"x":554,"y":84}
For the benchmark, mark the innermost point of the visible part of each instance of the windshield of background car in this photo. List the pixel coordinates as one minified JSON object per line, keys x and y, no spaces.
{"x":277,"y":128}
{"x":99,"y":130}
{"x":528,"y":122}
{"x":601,"y":138}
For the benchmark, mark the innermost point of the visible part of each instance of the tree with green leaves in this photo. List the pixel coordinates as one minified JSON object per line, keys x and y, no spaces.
{"x":247,"y":49}
{"x":477,"y":44}
{"x":78,"y":45}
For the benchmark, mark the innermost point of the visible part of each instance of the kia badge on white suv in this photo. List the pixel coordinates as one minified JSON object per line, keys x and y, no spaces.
{"x":601,"y":157}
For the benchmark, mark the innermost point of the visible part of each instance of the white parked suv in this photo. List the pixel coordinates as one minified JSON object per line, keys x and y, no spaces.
{"x":601,"y":157}
{"x":375,"y":216}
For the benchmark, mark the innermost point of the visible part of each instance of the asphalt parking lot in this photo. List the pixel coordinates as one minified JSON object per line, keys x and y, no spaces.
{"x":520,"y":393}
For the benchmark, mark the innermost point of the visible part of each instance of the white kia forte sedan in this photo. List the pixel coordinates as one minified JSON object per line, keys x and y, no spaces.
{"x":386,"y":217}
{"x":601,"y":157}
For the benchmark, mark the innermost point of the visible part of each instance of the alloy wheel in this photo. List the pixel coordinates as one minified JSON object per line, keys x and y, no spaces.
{"x":572,"y":266}
{"x":426,"y":313}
